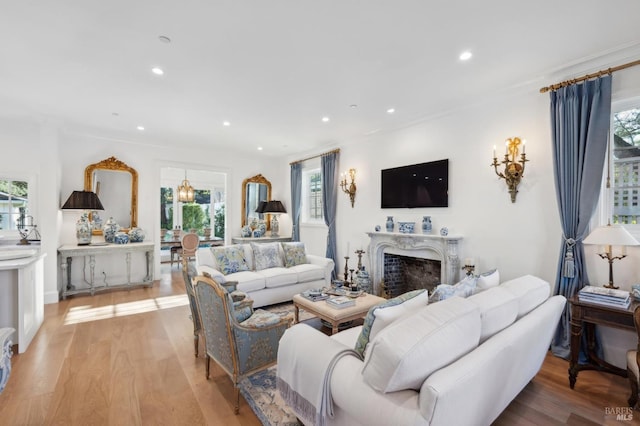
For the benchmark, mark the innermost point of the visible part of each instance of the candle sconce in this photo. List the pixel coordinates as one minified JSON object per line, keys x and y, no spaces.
{"x":469,"y":266}
{"x":349,"y":188}
{"x":513,"y":170}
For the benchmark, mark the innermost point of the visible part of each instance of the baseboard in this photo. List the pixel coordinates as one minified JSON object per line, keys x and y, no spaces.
{"x":51,"y":297}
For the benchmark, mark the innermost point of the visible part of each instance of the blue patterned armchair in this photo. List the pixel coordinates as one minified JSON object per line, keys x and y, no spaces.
{"x":242,"y":341}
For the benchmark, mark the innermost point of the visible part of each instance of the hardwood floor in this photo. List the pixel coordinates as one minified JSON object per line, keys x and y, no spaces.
{"x":126,"y":358}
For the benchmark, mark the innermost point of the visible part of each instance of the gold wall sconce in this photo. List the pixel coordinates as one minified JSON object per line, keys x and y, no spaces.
{"x":513,"y":170}
{"x":349,"y":188}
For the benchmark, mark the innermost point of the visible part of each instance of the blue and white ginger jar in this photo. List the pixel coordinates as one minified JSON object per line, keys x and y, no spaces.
{"x":136,"y":235}
{"x":121,"y":238}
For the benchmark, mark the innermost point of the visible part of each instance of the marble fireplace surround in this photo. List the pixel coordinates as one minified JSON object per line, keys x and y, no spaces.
{"x":423,"y":246}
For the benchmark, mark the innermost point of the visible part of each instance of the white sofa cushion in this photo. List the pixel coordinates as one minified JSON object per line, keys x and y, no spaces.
{"x":278,"y":277}
{"x":382,"y":315}
{"x":487,"y":280}
{"x":405,"y":353}
{"x":498,"y":310}
{"x":308,"y":272}
{"x":529,"y":290}
{"x":247,"y":280}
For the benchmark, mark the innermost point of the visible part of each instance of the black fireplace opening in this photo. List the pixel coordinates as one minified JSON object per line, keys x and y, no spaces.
{"x":405,"y":273}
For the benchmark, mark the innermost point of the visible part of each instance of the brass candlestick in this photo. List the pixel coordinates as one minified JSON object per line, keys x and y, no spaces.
{"x":346,"y":269}
{"x":360,"y":253}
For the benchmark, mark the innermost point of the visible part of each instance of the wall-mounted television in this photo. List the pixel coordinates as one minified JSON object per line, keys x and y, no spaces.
{"x":417,"y":185}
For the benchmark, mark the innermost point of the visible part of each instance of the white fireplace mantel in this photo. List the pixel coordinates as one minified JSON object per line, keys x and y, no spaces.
{"x":424,"y":246}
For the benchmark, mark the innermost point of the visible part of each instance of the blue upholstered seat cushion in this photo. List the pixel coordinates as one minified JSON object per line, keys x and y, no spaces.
{"x":294,"y":254}
{"x":464,"y":288}
{"x":261,"y":318}
{"x":385,"y":313}
{"x":230,"y":259}
{"x":266,"y":255}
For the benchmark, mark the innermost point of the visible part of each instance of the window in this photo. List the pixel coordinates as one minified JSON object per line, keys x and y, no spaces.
{"x":625,"y":165}
{"x":312,"y":196}
{"x":14,"y":200}
{"x":207,"y":209}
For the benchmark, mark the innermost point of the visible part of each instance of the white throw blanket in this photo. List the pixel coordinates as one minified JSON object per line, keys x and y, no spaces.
{"x":310,"y":394}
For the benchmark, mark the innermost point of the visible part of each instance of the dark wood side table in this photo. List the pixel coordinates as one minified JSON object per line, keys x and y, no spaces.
{"x":588,"y":315}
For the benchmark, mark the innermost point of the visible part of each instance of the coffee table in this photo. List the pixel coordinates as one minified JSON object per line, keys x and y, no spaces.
{"x":332,"y":315}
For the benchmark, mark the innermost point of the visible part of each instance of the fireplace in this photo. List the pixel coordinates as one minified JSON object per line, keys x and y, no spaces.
{"x":420,"y":247}
{"x":404,"y":273}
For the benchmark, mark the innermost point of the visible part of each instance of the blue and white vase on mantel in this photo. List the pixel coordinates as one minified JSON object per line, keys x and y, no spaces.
{"x":426,"y":225}
{"x":389,"y":223}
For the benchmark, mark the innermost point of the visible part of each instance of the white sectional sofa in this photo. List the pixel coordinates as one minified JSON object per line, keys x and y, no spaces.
{"x":268,"y":272}
{"x":457,"y":361}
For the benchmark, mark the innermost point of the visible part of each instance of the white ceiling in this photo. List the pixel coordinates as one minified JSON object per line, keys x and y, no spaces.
{"x":274,"y":68}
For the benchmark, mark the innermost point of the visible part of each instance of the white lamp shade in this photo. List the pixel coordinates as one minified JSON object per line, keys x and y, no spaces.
{"x":611,"y":235}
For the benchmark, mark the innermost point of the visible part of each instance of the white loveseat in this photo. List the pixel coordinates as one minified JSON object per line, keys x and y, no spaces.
{"x":267,"y":278}
{"x":458,"y":361}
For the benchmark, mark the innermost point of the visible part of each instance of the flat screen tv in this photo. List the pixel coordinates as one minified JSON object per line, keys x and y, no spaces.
{"x":418,"y":185}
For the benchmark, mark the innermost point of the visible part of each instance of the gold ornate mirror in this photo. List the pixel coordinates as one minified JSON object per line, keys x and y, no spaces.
{"x":116,"y":184}
{"x":254,"y":190}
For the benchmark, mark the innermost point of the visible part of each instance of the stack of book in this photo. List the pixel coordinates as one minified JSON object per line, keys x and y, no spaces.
{"x":605,"y":296}
{"x":314,"y":295}
{"x":340,"y":302}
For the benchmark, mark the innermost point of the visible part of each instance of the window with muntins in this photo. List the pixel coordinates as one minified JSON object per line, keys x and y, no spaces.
{"x":625,"y":163}
{"x":14,"y":200}
{"x":312,"y":196}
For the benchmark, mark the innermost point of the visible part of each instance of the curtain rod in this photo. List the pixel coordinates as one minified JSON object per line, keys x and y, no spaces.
{"x":589,"y":76}
{"x":314,"y":156}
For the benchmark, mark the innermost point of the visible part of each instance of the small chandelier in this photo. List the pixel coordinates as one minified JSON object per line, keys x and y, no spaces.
{"x":186,"y":194}
{"x":513,"y":170}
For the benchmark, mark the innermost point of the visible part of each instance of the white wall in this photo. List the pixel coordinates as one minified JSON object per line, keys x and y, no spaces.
{"x":517,"y":238}
{"x":78,"y":151}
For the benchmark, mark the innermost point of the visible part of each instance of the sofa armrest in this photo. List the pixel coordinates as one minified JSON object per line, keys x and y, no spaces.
{"x":325,"y":263}
{"x":211,"y":272}
{"x":354,"y":401}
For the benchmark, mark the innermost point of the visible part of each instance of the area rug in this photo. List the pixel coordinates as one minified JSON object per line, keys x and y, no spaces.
{"x":259,"y":390}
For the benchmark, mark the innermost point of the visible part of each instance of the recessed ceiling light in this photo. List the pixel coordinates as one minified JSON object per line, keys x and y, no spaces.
{"x":164,"y":39}
{"x":115,"y":114}
{"x":353,"y":106}
{"x":157,"y":71}
{"x":391,"y":110}
{"x":325,"y":119}
{"x":259,"y":148}
{"x":141,"y":128}
{"x":465,"y":56}
{"x":226,"y":123}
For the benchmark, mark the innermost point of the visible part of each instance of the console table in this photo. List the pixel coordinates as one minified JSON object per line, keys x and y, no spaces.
{"x":89,"y":252}
{"x":590,"y":314}
{"x":242,"y":240}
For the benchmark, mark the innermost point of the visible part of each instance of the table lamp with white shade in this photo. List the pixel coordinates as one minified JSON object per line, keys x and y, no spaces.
{"x":611,"y":236}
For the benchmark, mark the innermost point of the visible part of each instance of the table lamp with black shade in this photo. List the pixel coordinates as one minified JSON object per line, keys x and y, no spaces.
{"x":274,"y":208}
{"x":610,"y":236}
{"x":87,"y":201}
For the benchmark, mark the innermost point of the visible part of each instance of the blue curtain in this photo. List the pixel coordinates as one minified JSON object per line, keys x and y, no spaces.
{"x":329,"y":168}
{"x":296,"y":199}
{"x":580,"y":116}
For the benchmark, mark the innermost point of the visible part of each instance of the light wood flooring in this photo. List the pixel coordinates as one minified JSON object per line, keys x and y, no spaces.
{"x":126,"y":358}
